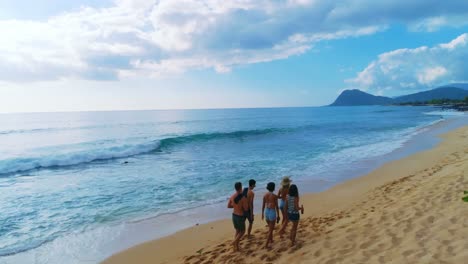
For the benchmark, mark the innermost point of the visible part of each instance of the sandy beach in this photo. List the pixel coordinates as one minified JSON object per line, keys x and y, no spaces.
{"x":407,"y":211}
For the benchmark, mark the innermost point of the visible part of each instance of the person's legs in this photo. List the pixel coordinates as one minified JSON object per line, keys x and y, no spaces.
{"x":234,"y":223}
{"x":239,"y":225}
{"x":293,"y":232}
{"x":241,"y":234}
{"x":268,"y":235}
{"x":283,"y":212}
{"x":249,"y":230}
{"x":271,"y":226}
{"x":285,"y":216}
{"x":284,"y":225}
{"x":237,"y":239}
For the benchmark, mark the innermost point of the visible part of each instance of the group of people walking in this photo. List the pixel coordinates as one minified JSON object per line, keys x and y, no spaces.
{"x":286,"y":201}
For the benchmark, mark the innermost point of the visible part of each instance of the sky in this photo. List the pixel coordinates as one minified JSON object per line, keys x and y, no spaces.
{"x":92,"y":55}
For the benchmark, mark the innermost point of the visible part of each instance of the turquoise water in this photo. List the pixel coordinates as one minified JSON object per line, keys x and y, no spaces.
{"x":66,"y":174}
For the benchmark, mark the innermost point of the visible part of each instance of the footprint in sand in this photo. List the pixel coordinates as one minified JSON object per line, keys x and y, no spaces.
{"x":430,"y":219}
{"x":332,"y":261}
{"x":407,"y":252}
{"x":396,"y":241}
{"x":366,"y":244}
{"x":346,"y":251}
{"x":421,"y":254}
{"x":282,"y":249}
{"x":318,"y":253}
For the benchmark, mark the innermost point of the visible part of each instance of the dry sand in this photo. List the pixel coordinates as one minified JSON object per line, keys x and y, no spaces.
{"x":407,"y":211}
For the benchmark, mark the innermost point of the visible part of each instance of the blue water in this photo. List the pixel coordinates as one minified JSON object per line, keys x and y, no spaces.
{"x":62,"y":174}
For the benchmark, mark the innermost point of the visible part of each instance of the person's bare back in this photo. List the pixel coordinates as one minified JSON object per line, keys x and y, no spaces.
{"x":240,"y":207}
{"x":271,"y":200}
{"x":283,"y":193}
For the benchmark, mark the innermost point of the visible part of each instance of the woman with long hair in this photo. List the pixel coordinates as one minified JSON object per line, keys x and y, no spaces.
{"x":292,"y":207}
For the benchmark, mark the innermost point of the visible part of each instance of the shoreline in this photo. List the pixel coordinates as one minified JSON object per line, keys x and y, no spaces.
{"x":339,"y":197}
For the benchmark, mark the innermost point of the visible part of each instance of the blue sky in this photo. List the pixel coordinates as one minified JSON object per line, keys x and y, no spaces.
{"x":141,"y":54}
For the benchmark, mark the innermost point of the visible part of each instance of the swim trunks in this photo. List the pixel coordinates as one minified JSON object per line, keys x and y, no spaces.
{"x":239,"y":222}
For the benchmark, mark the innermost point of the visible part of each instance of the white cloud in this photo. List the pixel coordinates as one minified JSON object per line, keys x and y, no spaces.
{"x":428,"y":75}
{"x":457,"y":42}
{"x":163,"y":37}
{"x":417,"y":68}
{"x":431,"y":24}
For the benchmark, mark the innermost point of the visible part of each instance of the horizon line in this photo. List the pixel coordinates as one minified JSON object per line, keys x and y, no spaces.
{"x":161,"y":109}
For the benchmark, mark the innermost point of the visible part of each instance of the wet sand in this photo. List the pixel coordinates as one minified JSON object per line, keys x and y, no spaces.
{"x":407,"y":211}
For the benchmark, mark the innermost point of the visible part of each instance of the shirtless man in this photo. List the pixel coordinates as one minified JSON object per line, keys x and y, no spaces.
{"x":240,"y":205}
{"x":270,"y":211}
{"x":250,"y":199}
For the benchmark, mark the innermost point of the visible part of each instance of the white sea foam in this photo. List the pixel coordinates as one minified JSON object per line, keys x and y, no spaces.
{"x":445,"y":113}
{"x":20,"y":164}
{"x":75,"y":248}
{"x":327,"y":163}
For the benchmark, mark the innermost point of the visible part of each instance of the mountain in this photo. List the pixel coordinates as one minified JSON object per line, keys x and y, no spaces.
{"x":357,"y":97}
{"x":438,"y":93}
{"x":457,"y":85}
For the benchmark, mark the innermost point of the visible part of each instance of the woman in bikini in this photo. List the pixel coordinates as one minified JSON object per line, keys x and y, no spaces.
{"x":270,"y":211}
{"x":283,"y":195}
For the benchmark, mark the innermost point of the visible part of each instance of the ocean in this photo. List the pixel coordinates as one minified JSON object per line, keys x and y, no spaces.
{"x":76,"y":187}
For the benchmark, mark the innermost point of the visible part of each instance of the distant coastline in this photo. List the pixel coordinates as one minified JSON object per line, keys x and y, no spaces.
{"x":447,"y":97}
{"x":457,"y":105}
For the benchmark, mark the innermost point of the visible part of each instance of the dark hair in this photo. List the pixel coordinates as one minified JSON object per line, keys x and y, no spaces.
{"x":271,"y":186}
{"x":252,"y":182}
{"x":293,"y":191}
{"x":238,"y":186}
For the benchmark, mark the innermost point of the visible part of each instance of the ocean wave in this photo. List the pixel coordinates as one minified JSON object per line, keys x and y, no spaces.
{"x":51,"y":129}
{"x":383,"y":111}
{"x":107,"y":126}
{"x":169,"y":142}
{"x":23,"y":164}
{"x":21,"y":131}
{"x":64,"y":128}
{"x":445,"y":113}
